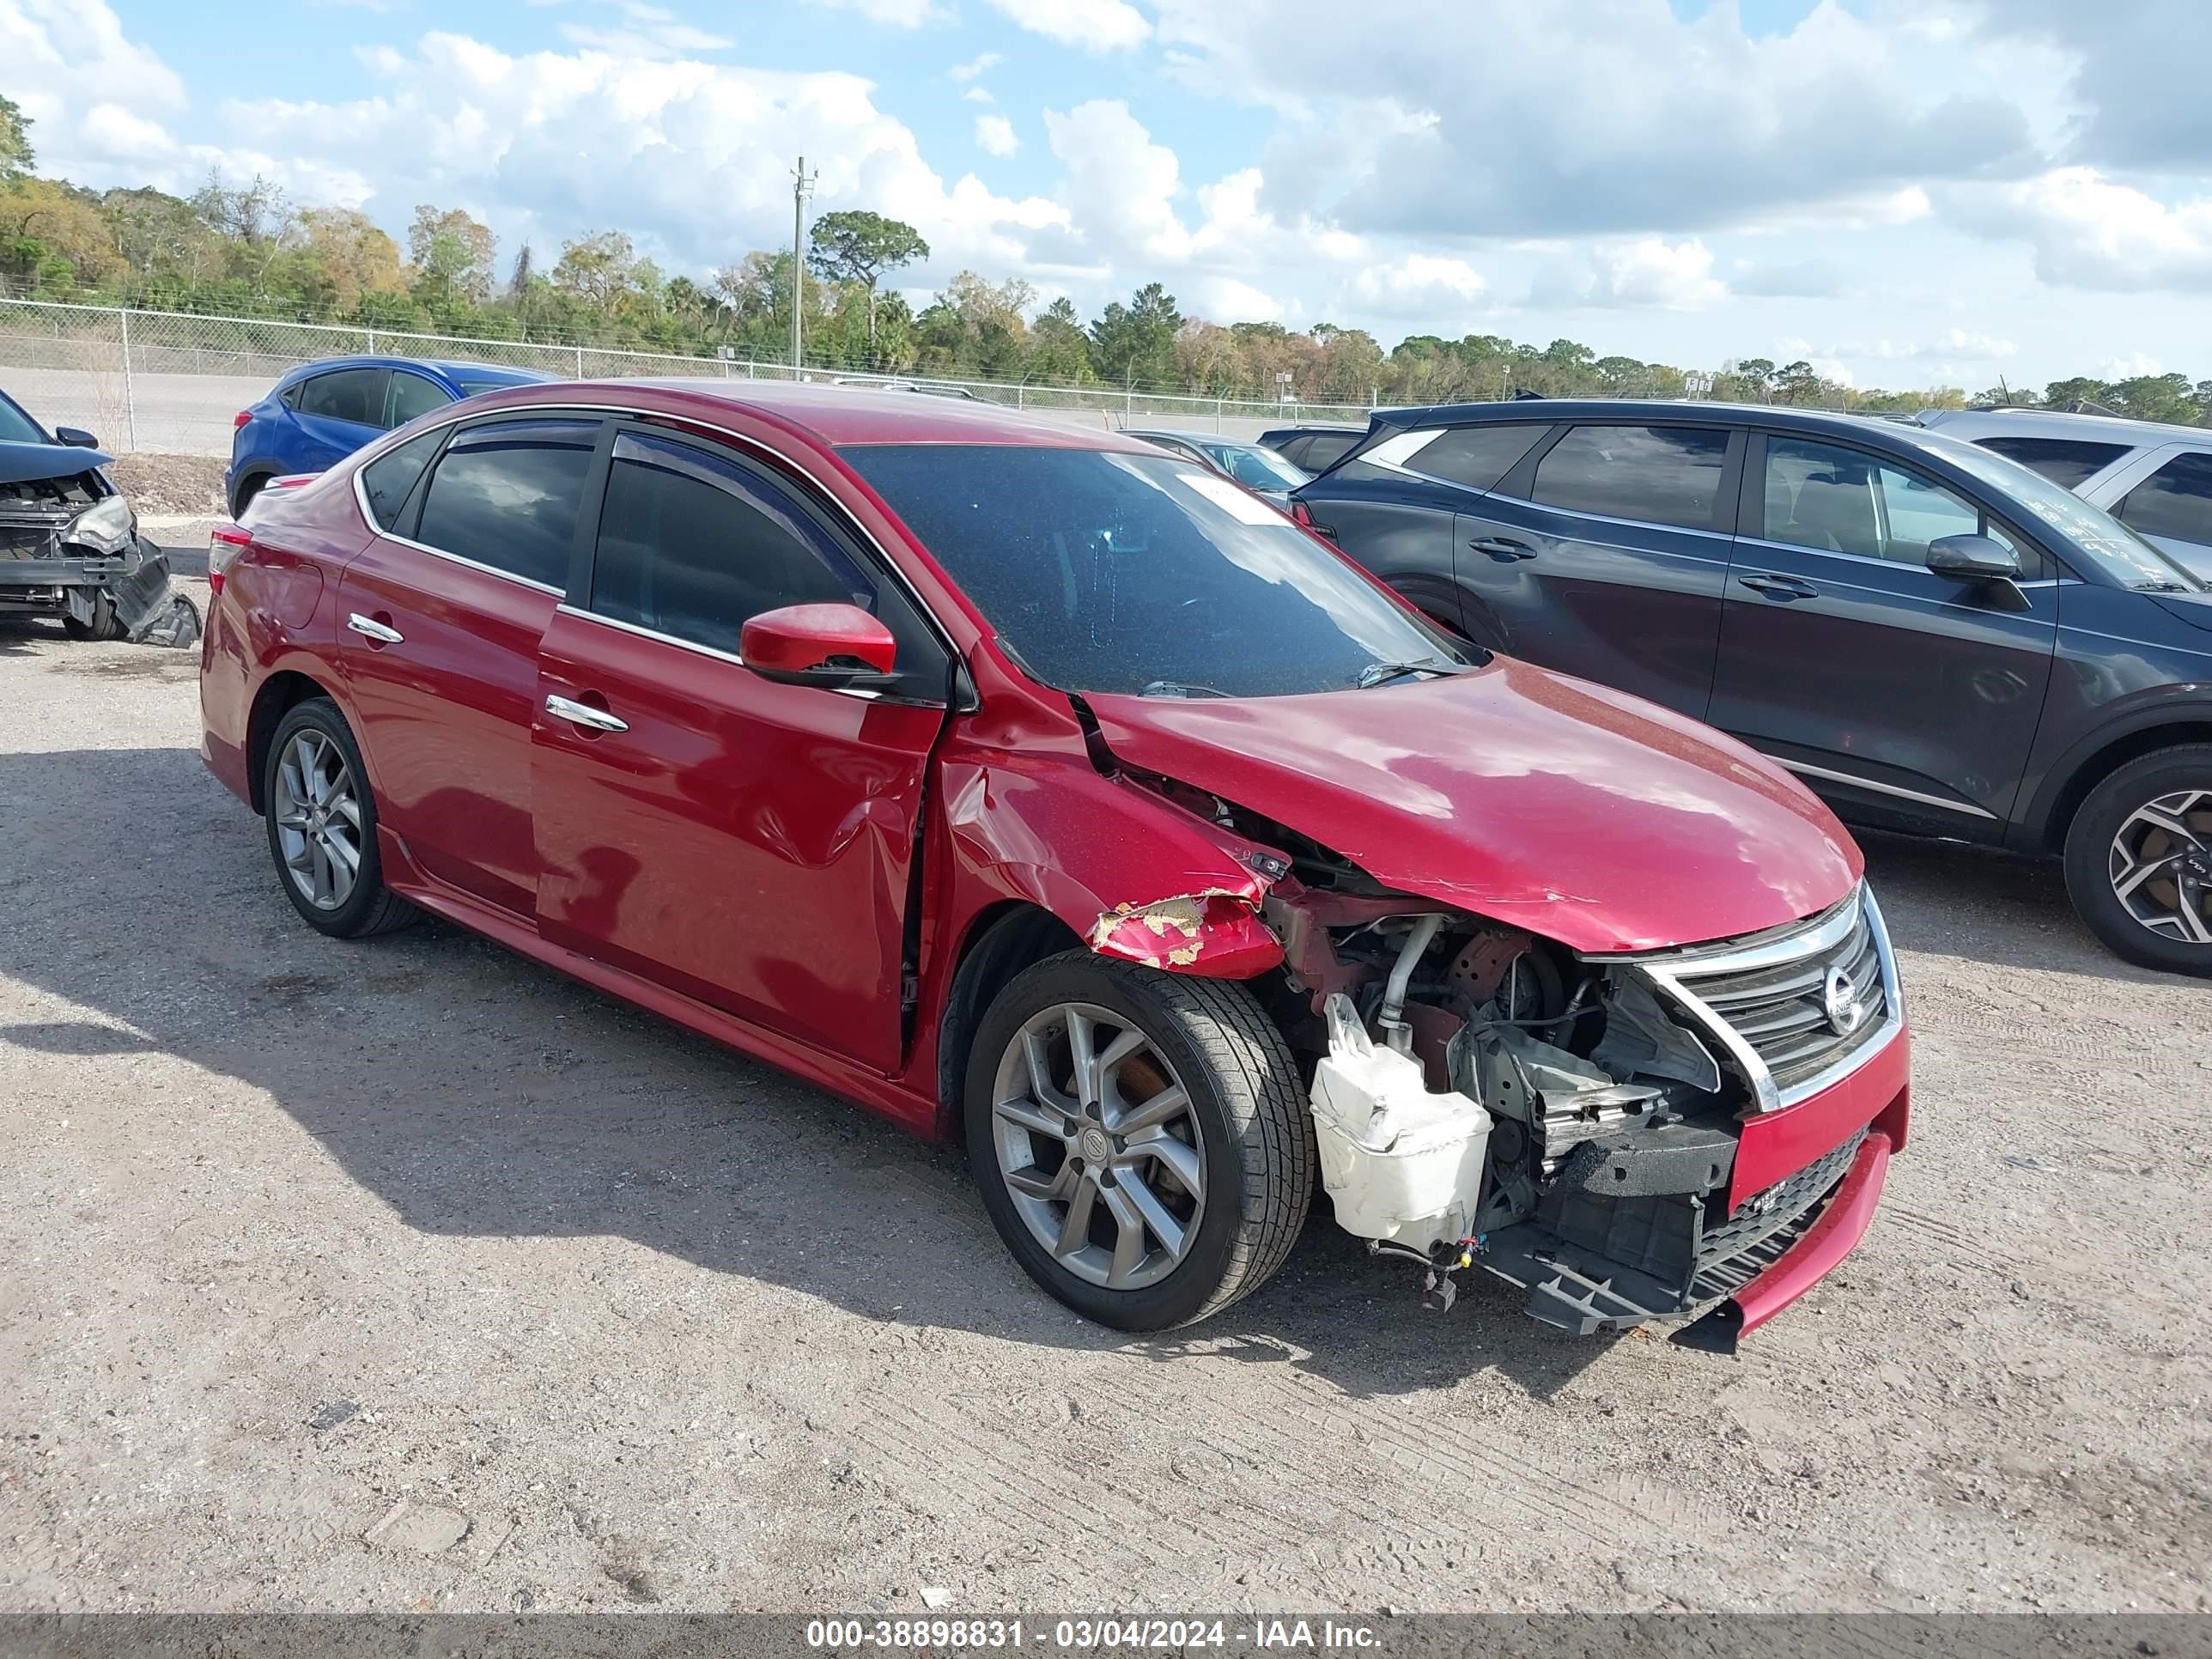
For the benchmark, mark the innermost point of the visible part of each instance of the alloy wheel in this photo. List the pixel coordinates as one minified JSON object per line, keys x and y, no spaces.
{"x":1099,"y":1146}
{"x":318,"y":815}
{"x":2161,"y":865}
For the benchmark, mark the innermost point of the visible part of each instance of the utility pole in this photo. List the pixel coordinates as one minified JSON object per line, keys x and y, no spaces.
{"x":802,"y":183}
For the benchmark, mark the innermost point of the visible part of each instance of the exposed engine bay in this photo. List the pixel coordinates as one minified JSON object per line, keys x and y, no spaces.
{"x":69,"y":548}
{"x":1483,"y":1097}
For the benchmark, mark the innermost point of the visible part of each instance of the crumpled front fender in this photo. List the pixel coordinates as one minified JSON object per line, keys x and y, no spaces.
{"x":1134,"y":876}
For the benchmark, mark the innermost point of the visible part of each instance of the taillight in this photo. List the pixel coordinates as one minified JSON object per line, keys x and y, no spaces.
{"x":241,"y":418}
{"x":225,"y":543}
{"x":1303,"y":514}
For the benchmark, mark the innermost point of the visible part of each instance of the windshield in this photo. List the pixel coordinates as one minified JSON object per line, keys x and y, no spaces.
{"x":2126,"y":556}
{"x":1260,"y":469}
{"x":1142,"y":573}
{"x":16,"y":427}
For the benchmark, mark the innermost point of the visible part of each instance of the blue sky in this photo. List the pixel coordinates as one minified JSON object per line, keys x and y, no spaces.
{"x":1909,"y":192}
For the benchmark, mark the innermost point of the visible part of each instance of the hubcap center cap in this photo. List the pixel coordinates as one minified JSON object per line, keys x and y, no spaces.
{"x":1094,"y":1146}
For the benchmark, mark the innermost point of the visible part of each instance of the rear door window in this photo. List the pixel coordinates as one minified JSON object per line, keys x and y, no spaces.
{"x":2067,"y":462}
{"x":1476,"y":456}
{"x":1668,"y":474}
{"x":413,"y":395}
{"x":345,"y":394}
{"x":509,"y":495}
{"x":2175,"y":502}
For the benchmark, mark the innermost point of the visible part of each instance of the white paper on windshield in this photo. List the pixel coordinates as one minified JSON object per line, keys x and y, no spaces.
{"x":1239,"y":504}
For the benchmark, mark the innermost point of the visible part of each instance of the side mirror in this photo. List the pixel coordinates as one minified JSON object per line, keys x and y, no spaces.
{"x":830,"y":646}
{"x":1973,"y":559}
{"x":75,"y":437}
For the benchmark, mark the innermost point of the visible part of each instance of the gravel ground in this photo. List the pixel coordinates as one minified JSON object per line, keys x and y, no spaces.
{"x":410,"y":1275}
{"x":172,"y":486}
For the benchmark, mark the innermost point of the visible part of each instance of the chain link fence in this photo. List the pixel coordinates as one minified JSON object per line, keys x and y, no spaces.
{"x":170,"y":382}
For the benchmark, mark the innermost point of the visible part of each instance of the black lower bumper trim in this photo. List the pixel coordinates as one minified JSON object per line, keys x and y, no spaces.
{"x":1719,"y":1332}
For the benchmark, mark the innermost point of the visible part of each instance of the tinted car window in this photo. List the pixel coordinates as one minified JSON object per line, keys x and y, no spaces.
{"x":1659,"y":474}
{"x":18,"y":428}
{"x":1260,"y":469}
{"x":1843,"y":501}
{"x":2175,"y":502}
{"x":690,"y":545}
{"x":1479,"y":456}
{"x":2064,"y":461}
{"x":412,"y":395}
{"x":345,"y":394}
{"x":508,"y":496}
{"x":387,"y":479}
{"x":1120,"y":573}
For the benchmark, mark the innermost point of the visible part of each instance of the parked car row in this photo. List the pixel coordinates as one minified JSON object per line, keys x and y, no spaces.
{"x":1936,"y":638}
{"x":1042,"y":789}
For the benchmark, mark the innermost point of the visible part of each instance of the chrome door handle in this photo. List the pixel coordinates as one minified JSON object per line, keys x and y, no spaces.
{"x":582,"y":713}
{"x":369,"y":629}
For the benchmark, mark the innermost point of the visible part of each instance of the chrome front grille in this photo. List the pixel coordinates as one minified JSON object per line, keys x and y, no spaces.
{"x":1797,"y":1008}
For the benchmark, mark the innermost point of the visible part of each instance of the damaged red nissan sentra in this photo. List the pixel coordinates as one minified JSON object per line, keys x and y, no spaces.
{"x":1031,"y":785}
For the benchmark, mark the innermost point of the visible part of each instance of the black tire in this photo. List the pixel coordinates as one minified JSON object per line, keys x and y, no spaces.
{"x":2089,"y":858}
{"x":104,"y":625}
{"x":370,"y":908}
{"x":247,"y":488}
{"x":1245,"y":1095}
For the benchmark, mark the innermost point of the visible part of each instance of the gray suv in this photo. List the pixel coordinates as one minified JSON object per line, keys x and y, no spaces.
{"x":1936,"y":638}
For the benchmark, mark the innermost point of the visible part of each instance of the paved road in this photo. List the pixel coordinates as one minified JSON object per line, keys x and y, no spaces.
{"x":409,"y":1275}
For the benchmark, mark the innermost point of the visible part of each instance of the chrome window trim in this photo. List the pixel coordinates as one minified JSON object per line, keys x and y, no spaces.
{"x":1898,"y":790}
{"x":861,"y":693}
{"x":1675,"y":972}
{"x":1607,"y":518}
{"x":613,"y":411}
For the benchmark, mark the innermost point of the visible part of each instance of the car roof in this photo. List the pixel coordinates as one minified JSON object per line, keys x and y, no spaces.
{"x":836,"y":415}
{"x":2057,"y":423}
{"x":1185,"y":435}
{"x":444,"y":367}
{"x":1550,"y":411}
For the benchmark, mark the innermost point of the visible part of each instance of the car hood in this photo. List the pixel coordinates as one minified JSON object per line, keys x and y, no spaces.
{"x":1578,"y":812}
{"x":26,"y":463}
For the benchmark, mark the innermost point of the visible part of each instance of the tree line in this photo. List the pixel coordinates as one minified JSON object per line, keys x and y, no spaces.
{"x":248,"y":250}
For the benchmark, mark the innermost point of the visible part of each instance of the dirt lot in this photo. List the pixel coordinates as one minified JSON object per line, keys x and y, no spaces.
{"x":410,"y":1275}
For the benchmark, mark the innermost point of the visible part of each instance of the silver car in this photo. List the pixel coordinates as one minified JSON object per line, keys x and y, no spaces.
{"x":2155,"y":479}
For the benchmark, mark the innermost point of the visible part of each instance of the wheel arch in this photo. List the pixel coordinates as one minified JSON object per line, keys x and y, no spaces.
{"x":2072,"y":781}
{"x":1001,"y":941}
{"x":278,"y":694}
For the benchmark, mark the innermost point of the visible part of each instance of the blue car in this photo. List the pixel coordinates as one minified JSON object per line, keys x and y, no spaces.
{"x":320,"y":413}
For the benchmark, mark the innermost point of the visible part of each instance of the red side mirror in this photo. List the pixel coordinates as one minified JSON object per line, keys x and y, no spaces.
{"x":827,"y":645}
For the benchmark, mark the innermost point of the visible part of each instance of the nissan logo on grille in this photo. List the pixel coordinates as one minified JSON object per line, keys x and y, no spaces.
{"x":1841,"y":1001}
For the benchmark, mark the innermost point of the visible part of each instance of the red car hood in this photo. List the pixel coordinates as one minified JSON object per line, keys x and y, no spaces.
{"x":1582,"y":814}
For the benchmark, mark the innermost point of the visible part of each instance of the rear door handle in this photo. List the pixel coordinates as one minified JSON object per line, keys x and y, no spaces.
{"x":1779,"y":588}
{"x":582,"y":713}
{"x":1503,"y":548}
{"x":369,"y":629}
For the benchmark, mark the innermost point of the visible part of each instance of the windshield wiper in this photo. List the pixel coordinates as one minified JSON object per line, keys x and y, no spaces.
{"x":2158,"y":584}
{"x":1378,"y":673}
{"x":1177,"y":689}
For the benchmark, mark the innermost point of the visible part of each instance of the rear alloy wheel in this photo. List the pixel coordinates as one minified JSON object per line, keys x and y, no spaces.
{"x":2139,"y":860}
{"x":322,"y":826}
{"x":1140,"y":1139}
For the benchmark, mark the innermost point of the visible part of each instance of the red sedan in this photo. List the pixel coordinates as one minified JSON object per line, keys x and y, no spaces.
{"x":1030,"y":786}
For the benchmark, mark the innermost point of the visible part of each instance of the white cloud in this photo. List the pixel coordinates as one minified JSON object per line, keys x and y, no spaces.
{"x":2087,"y":231}
{"x":1121,"y":186}
{"x":1093,"y":25}
{"x":995,"y":135}
{"x":645,"y":31}
{"x":979,"y":95}
{"x":964,"y":73}
{"x":1645,"y":271}
{"x":1236,"y":301}
{"x":1426,"y":286}
{"x":2130,"y":366}
{"x":896,"y":14}
{"x":59,"y":58}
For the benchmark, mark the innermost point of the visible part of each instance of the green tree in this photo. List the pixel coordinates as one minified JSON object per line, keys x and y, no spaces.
{"x":599,"y":270}
{"x":1136,"y":342}
{"x":1059,"y":351}
{"x":16,"y":153}
{"x":452,"y":254}
{"x":855,"y":246}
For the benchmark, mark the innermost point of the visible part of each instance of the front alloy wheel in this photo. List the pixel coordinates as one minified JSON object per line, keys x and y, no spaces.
{"x":2139,"y":860}
{"x":1098,"y":1145}
{"x":317,"y":812}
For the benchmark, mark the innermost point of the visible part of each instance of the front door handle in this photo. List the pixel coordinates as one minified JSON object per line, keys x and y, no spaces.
{"x":582,"y":713}
{"x":1784,"y":589}
{"x":1503,"y":548}
{"x":369,"y":629}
